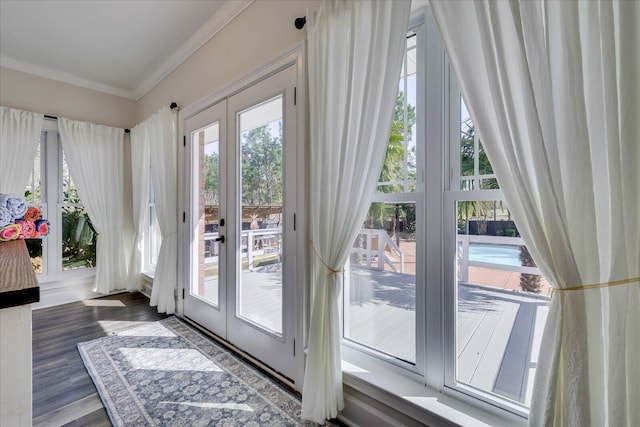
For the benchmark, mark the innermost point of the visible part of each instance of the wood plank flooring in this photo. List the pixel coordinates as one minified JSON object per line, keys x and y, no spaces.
{"x":63,"y":392}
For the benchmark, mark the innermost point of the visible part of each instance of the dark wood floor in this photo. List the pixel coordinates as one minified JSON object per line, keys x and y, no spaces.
{"x":63,"y":393}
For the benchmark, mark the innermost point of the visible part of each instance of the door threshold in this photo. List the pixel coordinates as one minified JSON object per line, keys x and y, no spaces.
{"x":282,"y":380}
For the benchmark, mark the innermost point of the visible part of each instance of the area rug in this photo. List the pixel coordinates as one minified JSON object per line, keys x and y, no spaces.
{"x":170,"y":374}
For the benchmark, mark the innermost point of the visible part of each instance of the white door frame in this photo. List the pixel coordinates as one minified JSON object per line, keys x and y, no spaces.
{"x":292,"y":56}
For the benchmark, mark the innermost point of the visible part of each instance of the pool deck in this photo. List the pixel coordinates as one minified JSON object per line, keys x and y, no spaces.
{"x":498,"y":328}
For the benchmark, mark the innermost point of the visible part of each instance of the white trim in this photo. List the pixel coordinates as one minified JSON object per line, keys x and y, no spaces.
{"x":66,"y":291}
{"x":213,"y":26}
{"x":287,"y":57}
{"x":412,"y":399}
{"x":294,"y":55}
{"x":49,"y":73}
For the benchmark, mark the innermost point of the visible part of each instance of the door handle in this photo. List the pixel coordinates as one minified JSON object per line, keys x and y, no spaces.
{"x":219,"y":239}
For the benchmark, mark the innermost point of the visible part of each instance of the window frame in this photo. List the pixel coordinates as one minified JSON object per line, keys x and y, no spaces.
{"x":151,"y":239}
{"x":438,"y":171}
{"x":350,"y":347}
{"x":51,"y":204}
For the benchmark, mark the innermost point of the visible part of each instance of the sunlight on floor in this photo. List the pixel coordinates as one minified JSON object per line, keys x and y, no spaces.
{"x":121,"y":327}
{"x":210,"y":405}
{"x":168,"y":359}
{"x":103,"y":303}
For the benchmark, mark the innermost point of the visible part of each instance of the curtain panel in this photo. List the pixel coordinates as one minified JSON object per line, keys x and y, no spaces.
{"x":19,"y":137}
{"x":140,"y":160}
{"x":355,"y":56}
{"x":554,"y":92}
{"x":95,"y":155}
{"x":164,"y":178}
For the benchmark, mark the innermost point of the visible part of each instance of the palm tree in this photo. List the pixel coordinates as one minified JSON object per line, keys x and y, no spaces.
{"x":475,"y":208}
{"x":393,"y":168}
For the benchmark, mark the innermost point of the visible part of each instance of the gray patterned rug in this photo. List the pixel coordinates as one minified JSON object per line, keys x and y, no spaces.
{"x":168,"y":373}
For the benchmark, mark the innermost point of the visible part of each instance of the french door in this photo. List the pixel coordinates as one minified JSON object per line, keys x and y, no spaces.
{"x":242,"y":165}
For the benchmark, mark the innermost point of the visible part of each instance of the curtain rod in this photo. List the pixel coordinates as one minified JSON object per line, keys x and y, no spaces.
{"x":299,"y":22}
{"x":46,"y":116}
{"x":172,"y":106}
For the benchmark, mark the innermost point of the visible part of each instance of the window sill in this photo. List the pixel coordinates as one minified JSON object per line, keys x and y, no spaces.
{"x":411,"y":398}
{"x":148,"y":274}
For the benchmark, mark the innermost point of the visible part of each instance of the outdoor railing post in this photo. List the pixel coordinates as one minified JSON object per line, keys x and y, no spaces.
{"x":368,"y":239}
{"x":464,"y":261}
{"x":381,"y":245}
{"x":250,"y":250}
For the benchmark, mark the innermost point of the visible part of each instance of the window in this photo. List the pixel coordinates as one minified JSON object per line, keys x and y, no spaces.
{"x":35,"y":195}
{"x":499,"y":293}
{"x":71,"y":243}
{"x":78,"y":235}
{"x":440,"y":285}
{"x":380,"y":295}
{"x":153,"y":235}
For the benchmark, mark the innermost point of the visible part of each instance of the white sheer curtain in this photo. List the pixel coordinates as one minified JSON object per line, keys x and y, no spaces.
{"x":164,"y":177}
{"x":19,"y":136}
{"x":355,"y":56}
{"x":95,"y":155}
{"x":140,"y":159}
{"x":553,"y":89}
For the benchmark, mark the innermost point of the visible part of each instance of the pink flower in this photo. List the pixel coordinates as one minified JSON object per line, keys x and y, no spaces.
{"x":42,"y":227}
{"x":10,"y":232}
{"x":28,"y":229}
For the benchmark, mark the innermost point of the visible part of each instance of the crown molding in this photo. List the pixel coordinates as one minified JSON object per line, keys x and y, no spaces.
{"x":216,"y":23}
{"x":60,"y":76}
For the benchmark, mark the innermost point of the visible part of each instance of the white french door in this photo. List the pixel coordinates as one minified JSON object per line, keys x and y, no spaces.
{"x":242,"y":165}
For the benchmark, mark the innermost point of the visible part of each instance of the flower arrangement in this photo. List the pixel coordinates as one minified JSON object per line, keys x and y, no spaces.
{"x":20,"y":221}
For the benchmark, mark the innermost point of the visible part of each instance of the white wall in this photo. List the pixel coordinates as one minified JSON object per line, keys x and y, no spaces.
{"x":41,"y":95}
{"x":254,"y":37}
{"x":33,"y":93}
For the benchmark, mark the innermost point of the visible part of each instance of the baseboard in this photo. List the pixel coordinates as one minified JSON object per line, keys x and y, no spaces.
{"x":71,"y":291}
{"x":363,"y":410}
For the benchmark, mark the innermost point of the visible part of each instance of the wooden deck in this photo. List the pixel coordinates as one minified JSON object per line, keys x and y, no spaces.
{"x":498,"y":330}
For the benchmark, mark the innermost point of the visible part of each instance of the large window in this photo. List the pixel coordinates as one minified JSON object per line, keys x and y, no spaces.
{"x":380,"y":293}
{"x":440,"y":282}
{"x":153,"y":235}
{"x":500,"y":295}
{"x":71,"y":244}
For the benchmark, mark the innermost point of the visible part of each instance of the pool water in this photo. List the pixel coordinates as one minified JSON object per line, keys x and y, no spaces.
{"x":495,"y":254}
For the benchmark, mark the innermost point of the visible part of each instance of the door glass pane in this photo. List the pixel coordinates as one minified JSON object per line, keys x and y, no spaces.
{"x":259,"y":293}
{"x":502,"y":302}
{"x":381,"y":290}
{"x":207,"y":143}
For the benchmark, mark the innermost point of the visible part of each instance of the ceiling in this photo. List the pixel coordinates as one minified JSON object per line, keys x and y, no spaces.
{"x":119,"y":47}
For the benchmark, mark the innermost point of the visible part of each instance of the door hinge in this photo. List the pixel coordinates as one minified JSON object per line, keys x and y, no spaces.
{"x":184,"y":140}
{"x":294,"y":348}
{"x":294,"y":222}
{"x":182,"y":293}
{"x":184,"y":217}
{"x":295,"y":95}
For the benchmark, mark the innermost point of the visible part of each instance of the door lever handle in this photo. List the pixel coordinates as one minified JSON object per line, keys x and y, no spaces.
{"x":219,"y":239}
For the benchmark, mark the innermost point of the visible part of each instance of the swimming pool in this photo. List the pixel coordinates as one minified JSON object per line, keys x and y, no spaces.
{"x":495,"y":254}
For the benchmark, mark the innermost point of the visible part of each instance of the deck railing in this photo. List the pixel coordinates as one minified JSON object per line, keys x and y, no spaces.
{"x":371,"y":247}
{"x":254,"y":244}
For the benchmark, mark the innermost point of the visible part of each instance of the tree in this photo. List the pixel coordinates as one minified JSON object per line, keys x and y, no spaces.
{"x":470,"y":209}
{"x":211,"y":178}
{"x":529,"y":282}
{"x":393,"y":167}
{"x":262,"y":167}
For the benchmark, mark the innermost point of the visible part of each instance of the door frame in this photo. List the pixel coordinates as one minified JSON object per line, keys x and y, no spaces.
{"x":295,"y":55}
